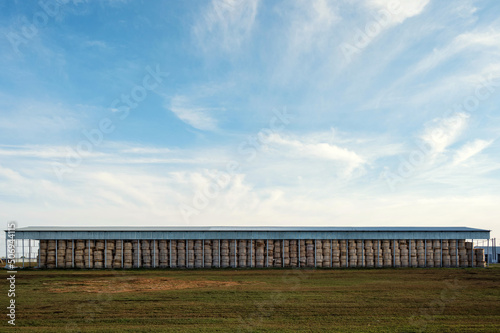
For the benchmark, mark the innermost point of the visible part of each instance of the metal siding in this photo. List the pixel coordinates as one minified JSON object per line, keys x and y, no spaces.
{"x":259,"y":229}
{"x":303,"y":235}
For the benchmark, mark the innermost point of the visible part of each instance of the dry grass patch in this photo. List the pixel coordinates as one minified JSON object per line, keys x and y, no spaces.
{"x":129,"y":285}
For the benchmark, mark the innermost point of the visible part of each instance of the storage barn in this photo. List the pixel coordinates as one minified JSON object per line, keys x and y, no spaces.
{"x":214,"y":247}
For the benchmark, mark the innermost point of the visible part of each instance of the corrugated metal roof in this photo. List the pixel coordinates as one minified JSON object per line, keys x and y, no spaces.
{"x":239,"y":228}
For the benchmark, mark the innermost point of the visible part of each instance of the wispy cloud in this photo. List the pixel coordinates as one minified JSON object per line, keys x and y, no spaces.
{"x":226,"y":24}
{"x":197,"y":117}
{"x":443,"y":132}
{"x":403,"y":9}
{"x":311,"y":25}
{"x":466,"y":41}
{"x":305,"y":148}
{"x":470,"y":149}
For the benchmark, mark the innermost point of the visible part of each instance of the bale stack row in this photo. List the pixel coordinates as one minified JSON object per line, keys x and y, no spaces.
{"x":258,"y":253}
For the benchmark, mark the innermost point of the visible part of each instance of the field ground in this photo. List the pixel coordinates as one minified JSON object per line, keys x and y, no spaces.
{"x":259,"y":300}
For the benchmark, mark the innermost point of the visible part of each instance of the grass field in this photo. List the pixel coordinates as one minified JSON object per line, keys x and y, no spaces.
{"x":274,"y":300}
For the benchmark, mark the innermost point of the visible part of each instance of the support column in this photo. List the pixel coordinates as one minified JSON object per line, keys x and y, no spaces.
{"x":347,"y":253}
{"x":23,"y":252}
{"x":170,"y":253}
{"x":105,"y":254}
{"x":441,"y":252}
{"x":267,"y":252}
{"x":219,"y":253}
{"x":203,"y":253}
{"x":409,"y":253}
{"x":251,"y":247}
{"x":314,"y":253}
{"x":298,"y":255}
{"x":331,"y":253}
{"x":472,"y":263}
{"x":425,"y":252}
{"x":29,"y":251}
{"x":123,"y":250}
{"x":56,"y":253}
{"x":89,"y":252}
{"x":154,"y":253}
{"x":283,"y":253}
{"x":72,"y":253}
{"x":393,"y":253}
{"x":363,"y":254}
{"x":378,"y":253}
{"x":456,"y":252}
{"x":489,"y":256}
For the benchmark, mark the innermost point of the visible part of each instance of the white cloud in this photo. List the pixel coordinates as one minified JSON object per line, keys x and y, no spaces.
{"x":45,"y":152}
{"x":197,"y":117}
{"x":226,"y":24}
{"x":311,"y":25}
{"x":470,"y":149}
{"x":461,"y":43}
{"x":316,"y":150}
{"x":10,"y":174}
{"x":400,"y":10}
{"x":443,"y":132}
{"x":146,"y":150}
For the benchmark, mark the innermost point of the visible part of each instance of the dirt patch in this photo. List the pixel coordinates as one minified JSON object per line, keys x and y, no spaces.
{"x":125,"y":285}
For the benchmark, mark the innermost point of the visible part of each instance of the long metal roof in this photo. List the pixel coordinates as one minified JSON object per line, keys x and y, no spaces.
{"x":239,"y":228}
{"x":262,"y":232}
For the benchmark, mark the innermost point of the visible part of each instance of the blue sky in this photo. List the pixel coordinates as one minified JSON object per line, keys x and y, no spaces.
{"x":225,"y":112}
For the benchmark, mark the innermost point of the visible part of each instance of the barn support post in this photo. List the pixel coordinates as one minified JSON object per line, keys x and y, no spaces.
{"x":29,"y":253}
{"x":282,"y":253}
{"x":298,"y":254}
{"x":122,"y":252}
{"x":441,"y":252}
{"x":154,"y":253}
{"x":39,"y":253}
{"x":88,"y":242}
{"x":251,"y":247}
{"x":409,"y":254}
{"x":425,"y":252}
{"x":363,"y":253}
{"x":56,"y":253}
{"x":267,"y":252}
{"x":472,"y":262}
{"x":331,"y":253}
{"x":23,"y":251}
{"x":315,"y":253}
{"x":393,"y":253}
{"x":456,"y":252}
{"x":105,"y":252}
{"x":488,"y":252}
{"x":347,"y":253}
{"x":72,"y":253}
{"x":378,"y":253}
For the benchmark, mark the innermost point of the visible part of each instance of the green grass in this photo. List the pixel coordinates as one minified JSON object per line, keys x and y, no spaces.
{"x":260,"y":300}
